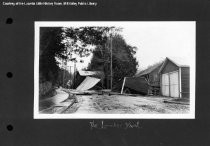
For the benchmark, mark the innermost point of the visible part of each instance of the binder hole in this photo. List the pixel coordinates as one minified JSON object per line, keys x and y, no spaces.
{"x":9,"y":75}
{"x":9,"y":127}
{"x":9,"y":21}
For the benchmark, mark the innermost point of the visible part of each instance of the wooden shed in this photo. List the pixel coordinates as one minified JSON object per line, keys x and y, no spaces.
{"x":175,"y":78}
{"x":152,"y":77}
{"x":144,"y":82}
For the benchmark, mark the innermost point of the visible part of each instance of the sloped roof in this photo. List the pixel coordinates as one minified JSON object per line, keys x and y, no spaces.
{"x":137,"y":84}
{"x":91,"y":73}
{"x":178,"y":61}
{"x":88,"y":83}
{"x":149,"y":69}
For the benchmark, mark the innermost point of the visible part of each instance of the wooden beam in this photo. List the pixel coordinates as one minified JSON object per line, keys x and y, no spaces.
{"x":123,"y":85}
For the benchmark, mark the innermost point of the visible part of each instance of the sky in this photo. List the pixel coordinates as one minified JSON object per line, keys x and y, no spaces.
{"x":155,"y":40}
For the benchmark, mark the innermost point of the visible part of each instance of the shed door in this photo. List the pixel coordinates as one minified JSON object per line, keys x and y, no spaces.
{"x":174,"y":84}
{"x":165,"y":84}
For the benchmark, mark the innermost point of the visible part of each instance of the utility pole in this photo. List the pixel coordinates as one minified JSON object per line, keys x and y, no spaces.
{"x":74,"y":73}
{"x":111,"y":64}
{"x":70,"y":80}
{"x":63,"y":72}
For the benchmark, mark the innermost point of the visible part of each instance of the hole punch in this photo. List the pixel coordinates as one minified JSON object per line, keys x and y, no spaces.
{"x":9,"y":75}
{"x":9,"y":21}
{"x":9,"y":127}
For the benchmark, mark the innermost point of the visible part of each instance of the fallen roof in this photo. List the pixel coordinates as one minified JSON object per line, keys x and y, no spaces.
{"x":88,"y":83}
{"x":149,"y":69}
{"x":99,"y":74}
{"x":137,"y":83}
{"x":88,"y":73}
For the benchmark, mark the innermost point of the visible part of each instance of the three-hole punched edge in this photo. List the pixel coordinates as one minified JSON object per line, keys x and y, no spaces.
{"x":9,"y":74}
{"x":9,"y":21}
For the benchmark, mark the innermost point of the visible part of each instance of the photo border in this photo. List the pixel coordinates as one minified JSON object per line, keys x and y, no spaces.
{"x":37,"y":115}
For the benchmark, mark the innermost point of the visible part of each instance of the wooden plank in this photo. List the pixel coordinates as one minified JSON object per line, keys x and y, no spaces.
{"x":123,"y":85}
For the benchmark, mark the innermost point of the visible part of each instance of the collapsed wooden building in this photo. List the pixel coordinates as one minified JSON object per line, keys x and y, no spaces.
{"x":94,"y":79}
{"x":146,"y":81}
{"x":170,"y":77}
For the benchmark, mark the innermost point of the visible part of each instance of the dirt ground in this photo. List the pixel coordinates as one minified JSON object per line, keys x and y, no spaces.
{"x":121,"y":104}
{"x":105,"y":104}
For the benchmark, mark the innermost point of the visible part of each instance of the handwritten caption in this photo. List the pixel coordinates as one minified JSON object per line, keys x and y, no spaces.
{"x":121,"y":125}
{"x":23,"y":3}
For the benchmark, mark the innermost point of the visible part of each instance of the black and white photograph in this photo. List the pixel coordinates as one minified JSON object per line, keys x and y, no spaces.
{"x":114,"y":69}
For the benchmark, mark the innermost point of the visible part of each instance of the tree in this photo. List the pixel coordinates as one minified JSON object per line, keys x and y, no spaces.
{"x":50,"y":47}
{"x":61,"y":43}
{"x":79,"y":40}
{"x":124,"y":63}
{"x":65,"y":78}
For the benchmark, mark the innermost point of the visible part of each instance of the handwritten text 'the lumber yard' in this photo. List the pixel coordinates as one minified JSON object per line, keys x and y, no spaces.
{"x":49,"y":3}
{"x":125,"y":125}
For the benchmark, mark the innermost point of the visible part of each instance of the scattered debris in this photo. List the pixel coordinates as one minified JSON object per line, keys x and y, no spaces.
{"x":184,"y":101}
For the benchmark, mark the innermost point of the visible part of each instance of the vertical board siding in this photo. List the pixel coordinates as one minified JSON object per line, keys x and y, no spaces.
{"x":174,"y":84}
{"x":155,"y":78}
{"x":165,"y":85}
{"x":185,"y":81}
{"x":170,"y":67}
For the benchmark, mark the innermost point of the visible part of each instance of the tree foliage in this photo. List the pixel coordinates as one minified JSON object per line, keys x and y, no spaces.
{"x":79,"y":40}
{"x":50,"y":47}
{"x":63,"y":42}
{"x":124,"y":63}
{"x":65,"y":78}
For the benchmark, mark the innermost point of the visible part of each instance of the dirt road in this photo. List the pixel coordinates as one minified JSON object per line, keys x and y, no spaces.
{"x":120,"y":104}
{"x":48,"y":105}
